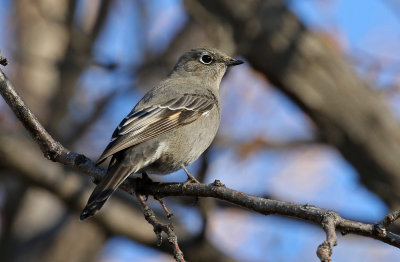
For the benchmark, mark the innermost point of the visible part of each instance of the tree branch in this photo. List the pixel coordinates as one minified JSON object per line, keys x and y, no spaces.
{"x":327,"y":219}
{"x":51,"y":149}
{"x":159,"y":228}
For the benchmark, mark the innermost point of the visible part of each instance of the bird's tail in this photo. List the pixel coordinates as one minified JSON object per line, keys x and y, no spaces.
{"x":116,"y":174}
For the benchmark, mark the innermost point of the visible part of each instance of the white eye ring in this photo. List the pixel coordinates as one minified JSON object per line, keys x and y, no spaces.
{"x":206,"y":59}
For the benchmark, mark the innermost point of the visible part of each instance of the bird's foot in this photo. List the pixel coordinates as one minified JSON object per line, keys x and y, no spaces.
{"x":143,"y":181}
{"x":190,"y":180}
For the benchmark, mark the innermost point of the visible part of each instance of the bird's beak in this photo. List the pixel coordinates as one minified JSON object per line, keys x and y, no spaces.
{"x":233,"y":62}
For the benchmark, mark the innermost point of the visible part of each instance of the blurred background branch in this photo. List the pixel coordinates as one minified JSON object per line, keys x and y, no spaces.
{"x":313,"y":118}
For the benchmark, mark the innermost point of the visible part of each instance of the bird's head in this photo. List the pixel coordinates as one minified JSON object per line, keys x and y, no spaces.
{"x":205,"y":63}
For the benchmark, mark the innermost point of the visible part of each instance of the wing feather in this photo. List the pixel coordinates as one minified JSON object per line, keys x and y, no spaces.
{"x":147,"y":123}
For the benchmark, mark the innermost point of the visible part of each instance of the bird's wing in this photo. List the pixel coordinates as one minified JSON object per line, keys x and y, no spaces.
{"x":144,"y":124}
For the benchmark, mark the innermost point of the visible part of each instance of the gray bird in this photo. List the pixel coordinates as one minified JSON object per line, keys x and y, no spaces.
{"x":170,"y":127}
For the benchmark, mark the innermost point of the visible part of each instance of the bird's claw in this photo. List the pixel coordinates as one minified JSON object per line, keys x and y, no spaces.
{"x":190,"y":180}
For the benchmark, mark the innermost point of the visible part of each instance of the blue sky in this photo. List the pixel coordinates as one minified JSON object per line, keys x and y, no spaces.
{"x":368,"y":28}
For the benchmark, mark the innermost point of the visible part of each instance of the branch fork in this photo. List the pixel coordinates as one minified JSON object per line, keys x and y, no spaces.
{"x":328,"y":223}
{"x":158,"y":228}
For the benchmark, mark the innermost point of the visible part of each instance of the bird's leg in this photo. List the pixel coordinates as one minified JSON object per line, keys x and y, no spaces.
{"x":191,"y":178}
{"x":146,"y":180}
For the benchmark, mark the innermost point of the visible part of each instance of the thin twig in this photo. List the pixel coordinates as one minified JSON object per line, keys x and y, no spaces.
{"x":158,"y":228}
{"x":390,"y":218}
{"x":166,"y":210}
{"x":324,"y":251}
{"x":382,"y":226}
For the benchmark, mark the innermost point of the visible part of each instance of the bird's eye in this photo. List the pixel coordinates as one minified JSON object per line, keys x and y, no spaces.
{"x":206,"y":59}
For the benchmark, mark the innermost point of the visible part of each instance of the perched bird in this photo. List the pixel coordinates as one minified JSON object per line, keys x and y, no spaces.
{"x":170,"y":127}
